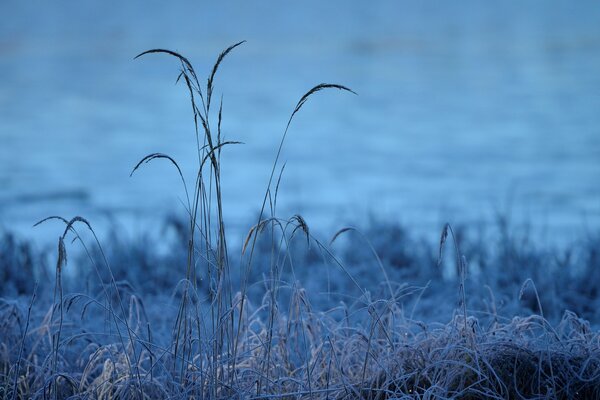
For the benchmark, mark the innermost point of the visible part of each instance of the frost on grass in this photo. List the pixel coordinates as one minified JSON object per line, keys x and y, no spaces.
{"x":307,"y":330}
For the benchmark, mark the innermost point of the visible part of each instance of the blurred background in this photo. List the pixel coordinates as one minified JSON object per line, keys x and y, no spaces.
{"x":465,"y":111}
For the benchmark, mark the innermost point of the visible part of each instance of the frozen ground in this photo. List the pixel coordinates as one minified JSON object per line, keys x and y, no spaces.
{"x":319,"y":321}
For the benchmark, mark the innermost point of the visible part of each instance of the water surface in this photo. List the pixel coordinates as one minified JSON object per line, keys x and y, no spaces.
{"x":463,"y":111}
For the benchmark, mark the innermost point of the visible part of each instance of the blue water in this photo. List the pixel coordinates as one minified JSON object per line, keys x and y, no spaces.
{"x":463,"y":111}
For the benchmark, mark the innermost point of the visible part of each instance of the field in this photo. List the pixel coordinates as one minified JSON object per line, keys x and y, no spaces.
{"x":372,"y":312}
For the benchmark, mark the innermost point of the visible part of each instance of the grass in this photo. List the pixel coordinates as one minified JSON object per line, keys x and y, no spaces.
{"x":291,"y":315}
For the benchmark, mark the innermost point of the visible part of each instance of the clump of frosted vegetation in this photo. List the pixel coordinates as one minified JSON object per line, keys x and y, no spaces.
{"x":371,"y":313}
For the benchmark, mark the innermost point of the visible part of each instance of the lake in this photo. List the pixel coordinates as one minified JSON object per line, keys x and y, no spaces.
{"x":462,"y":112}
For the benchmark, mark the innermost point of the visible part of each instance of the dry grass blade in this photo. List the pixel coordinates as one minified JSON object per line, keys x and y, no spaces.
{"x":77,"y":219}
{"x":316,"y":89}
{"x":62,"y":260}
{"x":338,"y":233}
{"x":373,"y":251}
{"x":21,"y":348}
{"x":255,"y":230}
{"x":219,"y":120}
{"x":184,"y":61}
{"x":529,"y":282}
{"x":443,"y":239}
{"x":209,"y":86}
{"x":210,"y":153}
{"x":69,"y":223}
{"x":461,"y":267}
{"x":51,"y":218}
{"x":277,"y":186}
{"x":301,"y":225}
{"x":62,"y":255}
{"x":153,"y":156}
{"x":301,"y":102}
